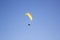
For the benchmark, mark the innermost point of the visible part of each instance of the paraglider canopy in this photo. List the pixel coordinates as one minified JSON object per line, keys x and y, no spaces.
{"x":29,"y":15}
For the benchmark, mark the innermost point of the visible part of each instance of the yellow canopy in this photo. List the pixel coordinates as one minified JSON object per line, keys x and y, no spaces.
{"x":29,"y":15}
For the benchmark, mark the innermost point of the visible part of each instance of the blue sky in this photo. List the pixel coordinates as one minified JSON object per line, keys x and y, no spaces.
{"x":45,"y":24}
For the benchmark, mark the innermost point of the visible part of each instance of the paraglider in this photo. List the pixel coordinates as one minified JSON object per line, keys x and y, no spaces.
{"x":28,"y":24}
{"x":30,"y":16}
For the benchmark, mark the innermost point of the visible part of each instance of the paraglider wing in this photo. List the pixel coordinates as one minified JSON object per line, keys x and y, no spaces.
{"x":29,"y":15}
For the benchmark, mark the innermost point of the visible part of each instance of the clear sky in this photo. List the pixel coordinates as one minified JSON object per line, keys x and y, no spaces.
{"x":45,"y":24}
